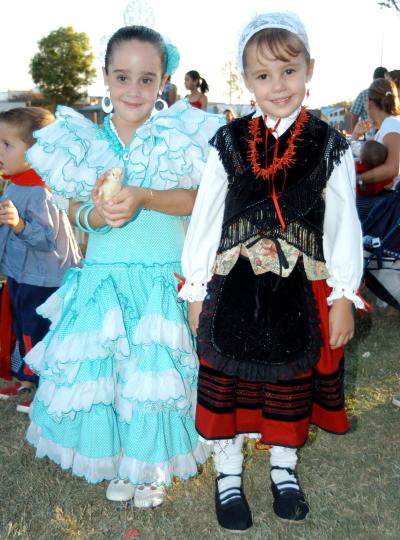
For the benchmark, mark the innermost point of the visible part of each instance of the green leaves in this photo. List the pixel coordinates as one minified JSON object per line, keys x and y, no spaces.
{"x":63,"y":66}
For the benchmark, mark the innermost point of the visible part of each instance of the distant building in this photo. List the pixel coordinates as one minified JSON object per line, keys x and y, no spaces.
{"x":10,"y":99}
{"x":338,"y":116}
{"x":22,"y":98}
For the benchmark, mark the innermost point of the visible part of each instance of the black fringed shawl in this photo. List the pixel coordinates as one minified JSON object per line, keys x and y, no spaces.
{"x":249,"y":209}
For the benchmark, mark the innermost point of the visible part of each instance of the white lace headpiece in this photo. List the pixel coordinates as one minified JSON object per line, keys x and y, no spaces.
{"x":286,"y":20}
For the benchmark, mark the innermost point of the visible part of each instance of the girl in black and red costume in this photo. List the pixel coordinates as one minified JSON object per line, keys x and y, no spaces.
{"x":274,"y":249}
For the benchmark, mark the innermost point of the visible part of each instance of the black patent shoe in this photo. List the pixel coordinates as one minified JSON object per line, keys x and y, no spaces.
{"x":234,"y":514}
{"x":289,"y":502}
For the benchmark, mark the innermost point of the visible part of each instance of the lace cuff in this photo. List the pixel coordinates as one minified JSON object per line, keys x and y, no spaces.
{"x":193,"y":292}
{"x":338,"y":291}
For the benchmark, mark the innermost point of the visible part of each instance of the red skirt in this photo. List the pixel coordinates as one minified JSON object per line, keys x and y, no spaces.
{"x":280,"y":411}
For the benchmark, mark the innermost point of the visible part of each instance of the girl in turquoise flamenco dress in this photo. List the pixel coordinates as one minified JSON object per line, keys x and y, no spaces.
{"x":118,"y":368}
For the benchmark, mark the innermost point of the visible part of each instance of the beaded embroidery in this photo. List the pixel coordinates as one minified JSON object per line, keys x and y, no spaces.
{"x":118,"y":146}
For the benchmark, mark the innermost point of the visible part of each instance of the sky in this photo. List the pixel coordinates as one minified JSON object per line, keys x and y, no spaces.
{"x":348,"y":38}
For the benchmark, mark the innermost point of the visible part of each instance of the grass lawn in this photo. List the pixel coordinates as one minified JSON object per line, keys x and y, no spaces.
{"x":352,"y":481}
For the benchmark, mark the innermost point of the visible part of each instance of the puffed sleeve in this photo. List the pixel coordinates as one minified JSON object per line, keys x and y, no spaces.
{"x":204,"y":230}
{"x":343,"y":250}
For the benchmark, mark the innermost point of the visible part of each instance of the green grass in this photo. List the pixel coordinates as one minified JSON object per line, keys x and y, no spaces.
{"x":352,"y":481}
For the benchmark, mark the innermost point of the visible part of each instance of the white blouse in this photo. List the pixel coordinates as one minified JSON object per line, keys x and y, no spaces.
{"x":342,"y":240}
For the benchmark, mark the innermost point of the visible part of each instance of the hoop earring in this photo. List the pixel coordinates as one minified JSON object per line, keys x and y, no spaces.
{"x":106,"y":103}
{"x":159,"y":105}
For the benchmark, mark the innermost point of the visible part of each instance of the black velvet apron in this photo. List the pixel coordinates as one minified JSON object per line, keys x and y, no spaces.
{"x":260,"y":327}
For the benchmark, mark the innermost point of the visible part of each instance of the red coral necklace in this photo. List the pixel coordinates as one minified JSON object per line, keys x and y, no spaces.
{"x":268,"y":172}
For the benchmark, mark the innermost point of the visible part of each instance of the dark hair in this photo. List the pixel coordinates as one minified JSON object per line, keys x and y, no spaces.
{"x":201,"y":82}
{"x":380,"y":73}
{"x":140,"y":33}
{"x":282,"y":43}
{"x":27,"y":120}
{"x":373,"y":153}
{"x":395,"y":76}
{"x":384,"y":94}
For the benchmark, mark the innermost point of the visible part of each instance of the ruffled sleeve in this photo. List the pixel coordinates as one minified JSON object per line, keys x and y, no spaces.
{"x":343,"y":249}
{"x":71,"y":153}
{"x":171,"y":149}
{"x":168,"y":151}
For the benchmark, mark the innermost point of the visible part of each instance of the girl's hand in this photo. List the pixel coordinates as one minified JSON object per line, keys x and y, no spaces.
{"x":194,"y":314}
{"x":123,"y":206}
{"x":9,"y":216}
{"x":361,"y":128}
{"x":341,"y":323}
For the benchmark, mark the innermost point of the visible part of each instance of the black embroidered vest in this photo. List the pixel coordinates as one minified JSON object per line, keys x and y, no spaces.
{"x":249,"y":208}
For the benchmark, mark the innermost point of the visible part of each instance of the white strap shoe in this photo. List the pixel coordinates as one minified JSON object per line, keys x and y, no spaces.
{"x":120,"y":490}
{"x":149,"y":496}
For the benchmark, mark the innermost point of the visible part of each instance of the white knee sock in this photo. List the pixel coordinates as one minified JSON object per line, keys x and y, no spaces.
{"x":228,"y":460}
{"x":281,"y":456}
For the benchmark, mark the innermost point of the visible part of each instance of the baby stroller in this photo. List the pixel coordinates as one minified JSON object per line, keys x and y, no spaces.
{"x":380,"y":221}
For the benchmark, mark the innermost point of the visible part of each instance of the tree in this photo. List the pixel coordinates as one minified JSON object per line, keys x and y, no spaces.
{"x":232,"y":80}
{"x":390,"y":4}
{"x":63,"y":66}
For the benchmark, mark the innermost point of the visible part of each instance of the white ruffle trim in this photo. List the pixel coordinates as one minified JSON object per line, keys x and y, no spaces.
{"x":193,"y":292}
{"x":157,"y":329}
{"x":52,"y":309}
{"x":147,"y":386}
{"x":183,"y":466}
{"x":143,"y":390}
{"x":180,"y":398}
{"x":64,"y":401}
{"x":78,"y":346}
{"x":340,"y":291}
{"x":95,"y":470}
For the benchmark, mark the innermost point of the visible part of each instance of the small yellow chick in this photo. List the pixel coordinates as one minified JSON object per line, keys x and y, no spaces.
{"x":112,"y":184}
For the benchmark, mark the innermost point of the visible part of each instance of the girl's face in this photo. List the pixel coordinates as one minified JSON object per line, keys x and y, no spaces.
{"x":134,"y":79}
{"x":190,"y":84}
{"x":278,"y":86}
{"x":12,"y":150}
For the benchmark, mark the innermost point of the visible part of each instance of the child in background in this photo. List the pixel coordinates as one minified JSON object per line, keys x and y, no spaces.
{"x":372,"y":154}
{"x":118,"y":367}
{"x":229,"y":115}
{"x":37,"y":244}
{"x":198,"y":87}
{"x":275,"y":233}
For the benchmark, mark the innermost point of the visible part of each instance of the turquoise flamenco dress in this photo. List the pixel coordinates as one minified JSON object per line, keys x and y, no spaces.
{"x":118,"y":368}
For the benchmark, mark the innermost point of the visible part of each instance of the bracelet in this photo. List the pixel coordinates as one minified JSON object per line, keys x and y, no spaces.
{"x":78,"y":215}
{"x":88,"y":207}
{"x":152,"y":197}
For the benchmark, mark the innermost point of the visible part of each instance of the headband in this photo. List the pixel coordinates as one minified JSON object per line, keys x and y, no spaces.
{"x":286,"y":20}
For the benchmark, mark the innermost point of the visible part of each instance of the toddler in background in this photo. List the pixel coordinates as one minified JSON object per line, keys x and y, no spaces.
{"x":37,"y":244}
{"x":372,"y":154}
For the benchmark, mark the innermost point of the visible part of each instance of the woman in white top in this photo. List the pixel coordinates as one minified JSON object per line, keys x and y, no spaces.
{"x":383,"y":109}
